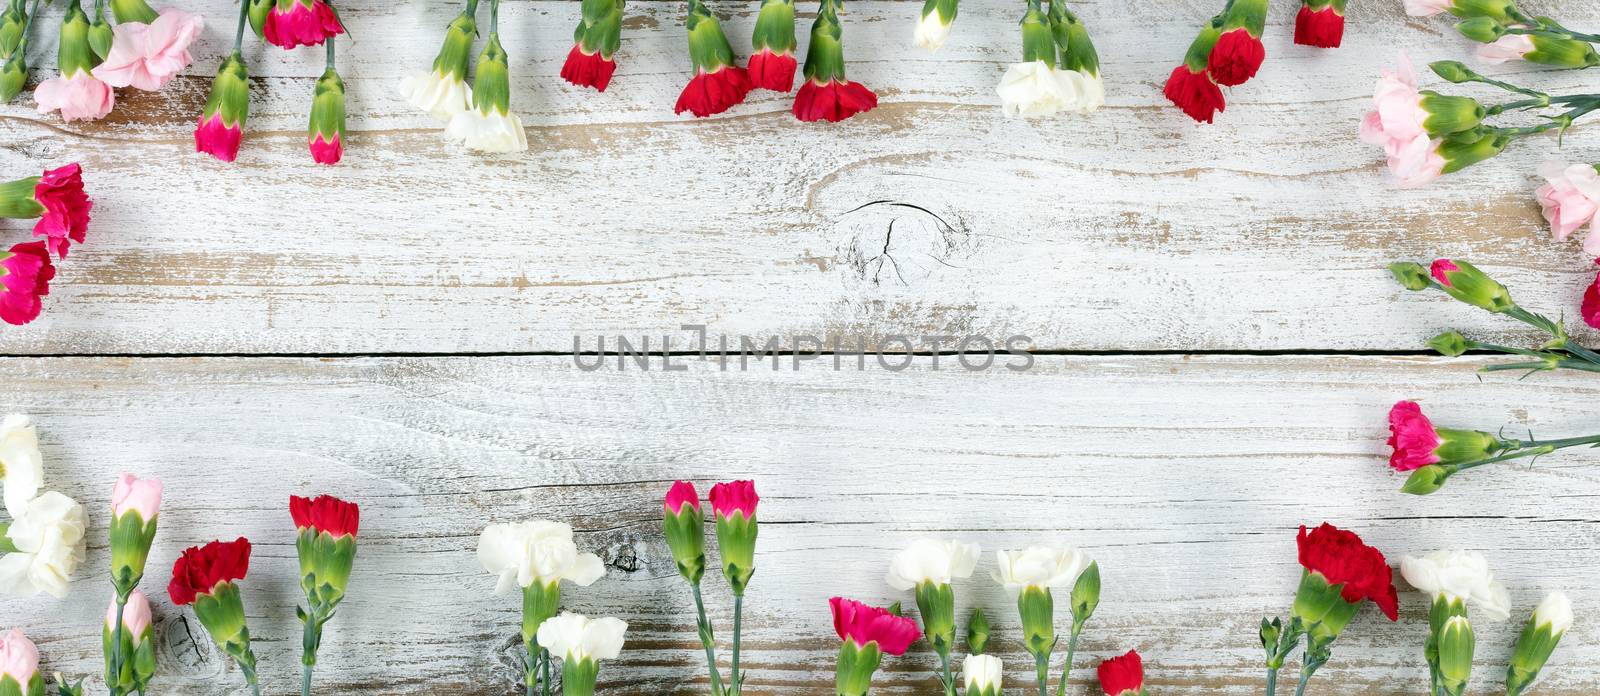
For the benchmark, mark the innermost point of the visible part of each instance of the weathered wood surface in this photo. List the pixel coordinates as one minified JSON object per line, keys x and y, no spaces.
{"x":1185,"y":478}
{"x":1129,"y":229}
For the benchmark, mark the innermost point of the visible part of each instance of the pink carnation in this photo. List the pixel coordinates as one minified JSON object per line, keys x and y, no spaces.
{"x":1396,"y":125}
{"x":1591,"y":302}
{"x":136,"y":617}
{"x":1412,"y":436}
{"x":735,"y":496}
{"x":862,"y":624}
{"x":682,"y":493}
{"x":327,"y":151}
{"x":133,"y":494}
{"x":82,"y":97}
{"x":147,"y":56}
{"x":1569,"y":198}
{"x":66,"y":208}
{"x":221,"y":141}
{"x":25,"y":275}
{"x":306,"y":23}
{"x":1426,"y":8}
{"x":19,"y":657}
{"x":1508,"y":48}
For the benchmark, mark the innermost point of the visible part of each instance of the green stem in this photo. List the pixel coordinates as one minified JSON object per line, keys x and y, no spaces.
{"x":330,"y":53}
{"x":238,"y":32}
{"x":1272,"y":682}
{"x":1300,"y":689}
{"x":1535,"y":103}
{"x":494,"y":17}
{"x":116,"y":646}
{"x":305,"y":680}
{"x":1066,"y":667}
{"x":707,"y":642}
{"x":1041,"y":664}
{"x":544,"y":655}
{"x":949,"y":680}
{"x":735,"y":681}
{"x":1507,"y":86}
{"x":1556,"y":33}
{"x":530,"y":678}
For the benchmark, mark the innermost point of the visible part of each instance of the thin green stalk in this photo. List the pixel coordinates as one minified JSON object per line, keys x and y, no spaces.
{"x":1520,"y":454}
{"x":1272,"y":682}
{"x":116,"y":647}
{"x":305,"y":680}
{"x":707,"y":642}
{"x":1300,"y":689}
{"x":544,"y":656}
{"x":734,"y":680}
{"x":1556,"y":33}
{"x":238,"y":32}
{"x":1041,"y":664}
{"x":949,"y":683}
{"x":530,"y":678}
{"x":1066,"y":667}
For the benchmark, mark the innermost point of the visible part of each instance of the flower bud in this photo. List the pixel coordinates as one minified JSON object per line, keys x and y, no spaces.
{"x":13,"y":22}
{"x":1453,"y":71}
{"x":1481,"y":29}
{"x":856,"y":665}
{"x":65,"y":689}
{"x":1086,"y":594}
{"x":133,"y":11}
{"x":1562,"y":52}
{"x":258,"y":11}
{"x":100,"y":38}
{"x":1271,"y":633}
{"x":326,"y":546}
{"x":1467,"y":148}
{"x":325,"y":135}
{"x":983,"y":675}
{"x":735,"y":506}
{"x":138,"y":650}
{"x":19,"y":665}
{"x":1428,"y":479}
{"x":1450,"y":344}
{"x":135,"y":507}
{"x":13,"y":77}
{"x":221,"y":124}
{"x":1456,"y":644}
{"x":1321,"y":608}
{"x":1498,"y":10}
{"x":685,"y":529}
{"x":1466,"y":283}
{"x":1539,"y":639}
{"x":1412,"y":276}
{"x":977,"y":632}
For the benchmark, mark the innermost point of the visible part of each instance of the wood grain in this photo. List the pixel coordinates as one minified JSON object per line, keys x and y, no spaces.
{"x":1184,"y":477}
{"x":1128,"y":229}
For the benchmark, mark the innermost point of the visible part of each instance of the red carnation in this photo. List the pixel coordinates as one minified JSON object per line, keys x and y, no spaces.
{"x":1236,"y":58}
{"x":25,"y":274}
{"x":833,"y":101}
{"x":1341,"y":558}
{"x":325,"y":513}
{"x":588,"y":69}
{"x":1122,"y":675}
{"x":1195,"y":93}
{"x":714,"y":92}
{"x":1322,"y":28}
{"x":201,"y":568}
{"x":774,"y":71}
{"x":66,"y":208}
{"x":1591,"y":302}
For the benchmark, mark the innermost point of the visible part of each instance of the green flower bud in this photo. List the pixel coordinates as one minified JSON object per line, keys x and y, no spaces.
{"x":600,"y":30}
{"x":1481,"y":29}
{"x":73,"y":54}
{"x":131,"y":537}
{"x":222,"y":614}
{"x":492,"y":91}
{"x":1413,"y":276}
{"x":1448,"y":114}
{"x":736,"y":538}
{"x":456,"y":53}
{"x":65,"y":689}
{"x":977,"y":632}
{"x":1427,"y":479}
{"x":1453,"y":71}
{"x":1086,"y":595}
{"x":686,"y":537}
{"x":1458,"y":446}
{"x":13,"y":20}
{"x":1456,"y":645}
{"x":579,"y":676}
{"x":1561,"y":52}
{"x":708,"y":45}
{"x":1466,"y":283}
{"x":1450,"y":344}
{"x":13,"y":77}
{"x":258,"y":11}
{"x":895,"y":609}
{"x":1467,"y":148}
{"x":100,"y":39}
{"x":133,"y":11}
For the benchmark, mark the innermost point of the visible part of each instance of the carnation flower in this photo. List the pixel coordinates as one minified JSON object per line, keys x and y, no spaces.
{"x":1344,"y":561}
{"x":1194,"y":92}
{"x":1458,"y":576}
{"x":147,"y":56}
{"x":772,"y":63}
{"x":862,"y":625}
{"x":221,"y":125}
{"x":292,"y":23}
{"x":48,"y":538}
{"x":591,"y":62}
{"x":1569,"y":199}
{"x":1039,"y":566}
{"x":538,"y":551}
{"x":21,"y":463}
{"x":931,"y":561}
{"x":827,"y":94}
{"x":201,"y":570}
{"x":1236,"y":58}
{"x":1320,"y":23}
{"x":1123,"y":675}
{"x":25,"y":273}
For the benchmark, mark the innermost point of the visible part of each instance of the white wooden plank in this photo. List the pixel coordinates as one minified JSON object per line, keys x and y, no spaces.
{"x":1185,"y":478}
{"x":1131,"y":228}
